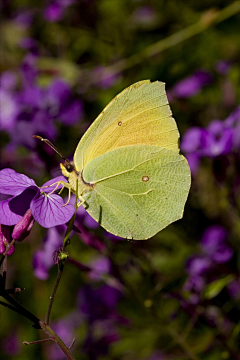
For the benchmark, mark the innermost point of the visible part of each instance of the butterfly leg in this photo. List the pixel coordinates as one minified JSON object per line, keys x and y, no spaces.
{"x":82,"y":200}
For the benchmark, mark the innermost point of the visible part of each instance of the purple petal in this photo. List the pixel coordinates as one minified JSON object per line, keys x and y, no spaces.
{"x":8,"y":80}
{"x":7,"y":216}
{"x":194,"y":162}
{"x":9,"y":110}
{"x":39,"y":265}
{"x":72,"y":114}
{"x":223,"y":66}
{"x":13,"y":183}
{"x":191,"y":85}
{"x":15,"y":208}
{"x":194,"y":139}
{"x":197,"y":265}
{"x":48,"y":211}
{"x":58,"y":92}
{"x":223,"y":254}
{"x":54,"y":12}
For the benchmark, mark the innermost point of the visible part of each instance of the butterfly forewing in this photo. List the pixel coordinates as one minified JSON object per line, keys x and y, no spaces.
{"x":138,"y":115}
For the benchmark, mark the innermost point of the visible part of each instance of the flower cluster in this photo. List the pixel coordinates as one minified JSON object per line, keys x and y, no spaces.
{"x":219,"y":138}
{"x":98,"y":307}
{"x":215,"y":251}
{"x":33,"y":109}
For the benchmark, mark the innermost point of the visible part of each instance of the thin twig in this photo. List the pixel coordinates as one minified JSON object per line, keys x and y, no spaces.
{"x":60,"y":270}
{"x":37,"y":341}
{"x":6,"y":251}
{"x":208,"y":19}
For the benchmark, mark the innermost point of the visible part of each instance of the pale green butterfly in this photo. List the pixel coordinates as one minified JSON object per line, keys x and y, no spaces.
{"x":131,"y":178}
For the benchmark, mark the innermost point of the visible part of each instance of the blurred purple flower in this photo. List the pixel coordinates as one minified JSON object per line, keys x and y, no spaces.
{"x":214,"y":245}
{"x":55,"y":11}
{"x":8,"y":80}
{"x":34,"y":109}
{"x":29,"y":44}
{"x":191,"y":85}
{"x":197,"y":265}
{"x":11,"y":345}
{"x":144,"y":15}
{"x":234,"y":289}
{"x":64,"y":328}
{"x":219,"y":138}
{"x":233,"y":122}
{"x":100,"y":336}
{"x":46,"y":208}
{"x":223,"y":66}
{"x":9,"y":110}
{"x":99,"y":303}
{"x":43,"y":259}
{"x":24,"y":17}
{"x":105,"y":78}
{"x":84,"y":218}
{"x":195,"y":283}
{"x":100,"y":267}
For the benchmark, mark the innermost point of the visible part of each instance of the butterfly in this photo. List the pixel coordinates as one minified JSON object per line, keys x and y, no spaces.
{"x":131,"y":178}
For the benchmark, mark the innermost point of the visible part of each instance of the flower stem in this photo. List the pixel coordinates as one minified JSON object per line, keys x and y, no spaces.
{"x":60,"y":270}
{"x":51,"y":334}
{"x":6,"y":251}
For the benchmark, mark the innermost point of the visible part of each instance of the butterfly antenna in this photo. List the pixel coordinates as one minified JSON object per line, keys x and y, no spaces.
{"x":48,"y":142}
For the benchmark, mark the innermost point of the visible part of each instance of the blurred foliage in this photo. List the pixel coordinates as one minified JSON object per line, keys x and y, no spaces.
{"x":99,"y":47}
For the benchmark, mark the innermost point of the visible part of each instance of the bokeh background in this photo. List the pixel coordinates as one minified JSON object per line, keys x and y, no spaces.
{"x":177,"y":295}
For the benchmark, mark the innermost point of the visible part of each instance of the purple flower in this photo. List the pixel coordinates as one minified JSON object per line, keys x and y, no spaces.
{"x":43,"y":259}
{"x":234,"y":289}
{"x":46,"y":207}
{"x":223,"y":66}
{"x":55,"y":11}
{"x":8,"y":80}
{"x":144,"y":15}
{"x":9,"y":110}
{"x":198,"y":265}
{"x":195,"y":284}
{"x":24,"y":18}
{"x":100,"y":267}
{"x":233,"y":122}
{"x":214,"y":244}
{"x":29,"y":44}
{"x":219,"y":138}
{"x":191,"y":85}
{"x":99,"y":307}
{"x":11,"y":345}
{"x":98,"y":303}
{"x":105,"y":78}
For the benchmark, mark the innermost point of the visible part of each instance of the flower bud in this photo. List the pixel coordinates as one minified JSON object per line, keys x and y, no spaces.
{"x":23,"y":227}
{"x":5,"y":239}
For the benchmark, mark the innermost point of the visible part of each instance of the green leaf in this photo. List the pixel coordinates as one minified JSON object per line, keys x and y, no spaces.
{"x":215,"y":287}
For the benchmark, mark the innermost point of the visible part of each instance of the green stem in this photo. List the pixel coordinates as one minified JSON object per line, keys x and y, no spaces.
{"x":6,"y":251}
{"x":51,"y":334}
{"x":60,"y":270}
{"x":207,"y":20}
